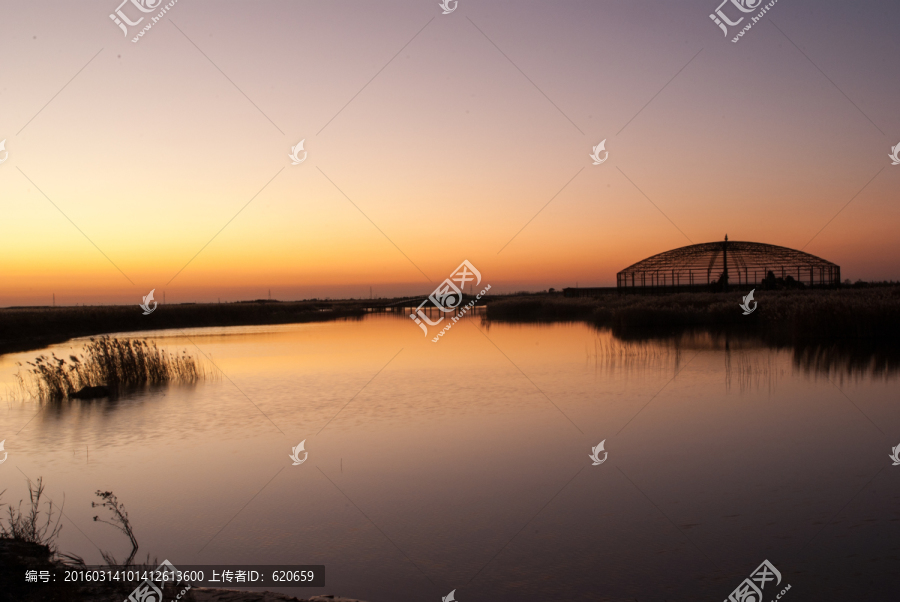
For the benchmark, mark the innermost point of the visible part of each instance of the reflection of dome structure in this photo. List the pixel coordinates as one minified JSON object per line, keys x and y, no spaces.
{"x":736,"y":263}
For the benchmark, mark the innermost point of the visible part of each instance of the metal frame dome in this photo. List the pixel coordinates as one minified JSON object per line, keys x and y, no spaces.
{"x":727,"y":262}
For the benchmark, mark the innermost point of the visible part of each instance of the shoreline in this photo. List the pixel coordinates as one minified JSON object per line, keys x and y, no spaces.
{"x":782,"y":317}
{"x":33,"y":328}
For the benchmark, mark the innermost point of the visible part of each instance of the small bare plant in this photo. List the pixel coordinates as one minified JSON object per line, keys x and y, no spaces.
{"x":119,"y":521}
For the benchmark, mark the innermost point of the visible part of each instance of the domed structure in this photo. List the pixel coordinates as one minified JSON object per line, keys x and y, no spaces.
{"x":736,"y":263}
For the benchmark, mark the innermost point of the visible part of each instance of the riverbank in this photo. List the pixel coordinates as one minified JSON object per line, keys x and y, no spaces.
{"x":28,"y":328}
{"x":779,"y":317}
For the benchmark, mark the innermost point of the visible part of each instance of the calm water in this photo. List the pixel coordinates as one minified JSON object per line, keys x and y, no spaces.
{"x":464,"y":464}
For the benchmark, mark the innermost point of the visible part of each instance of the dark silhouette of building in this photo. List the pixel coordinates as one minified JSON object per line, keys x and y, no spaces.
{"x":718,"y":265}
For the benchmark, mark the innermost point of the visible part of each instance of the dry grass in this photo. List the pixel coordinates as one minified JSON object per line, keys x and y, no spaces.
{"x":112,"y":363}
{"x":27,"y":526}
{"x":119,"y":521}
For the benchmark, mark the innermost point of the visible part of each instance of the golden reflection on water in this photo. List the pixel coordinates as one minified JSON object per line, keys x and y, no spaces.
{"x":450,"y":448}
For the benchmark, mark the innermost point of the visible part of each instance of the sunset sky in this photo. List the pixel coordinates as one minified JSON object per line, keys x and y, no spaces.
{"x":447,"y":132}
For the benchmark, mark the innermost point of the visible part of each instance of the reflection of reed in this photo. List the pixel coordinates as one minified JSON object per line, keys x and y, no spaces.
{"x":855,"y":359}
{"x":752,"y":371}
{"x":859,"y":358}
{"x":613,"y":355}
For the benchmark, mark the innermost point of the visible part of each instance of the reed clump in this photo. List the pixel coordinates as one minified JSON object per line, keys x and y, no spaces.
{"x":107,"y":362}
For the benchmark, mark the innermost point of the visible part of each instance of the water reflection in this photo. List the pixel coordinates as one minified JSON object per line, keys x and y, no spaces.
{"x":856,"y":358}
{"x":460,"y":452}
{"x":849,"y":358}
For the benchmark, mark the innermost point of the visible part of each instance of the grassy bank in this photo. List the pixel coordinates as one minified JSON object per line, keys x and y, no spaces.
{"x":26,"y":328}
{"x":787,"y":317}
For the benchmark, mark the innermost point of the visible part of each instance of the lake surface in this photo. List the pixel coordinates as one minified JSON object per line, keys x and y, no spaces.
{"x":465,"y":464}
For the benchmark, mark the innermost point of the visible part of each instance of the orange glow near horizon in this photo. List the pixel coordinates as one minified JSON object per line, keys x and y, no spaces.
{"x":151,"y":160}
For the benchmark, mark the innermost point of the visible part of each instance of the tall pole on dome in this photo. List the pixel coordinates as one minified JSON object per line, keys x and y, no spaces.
{"x":725,"y":263}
